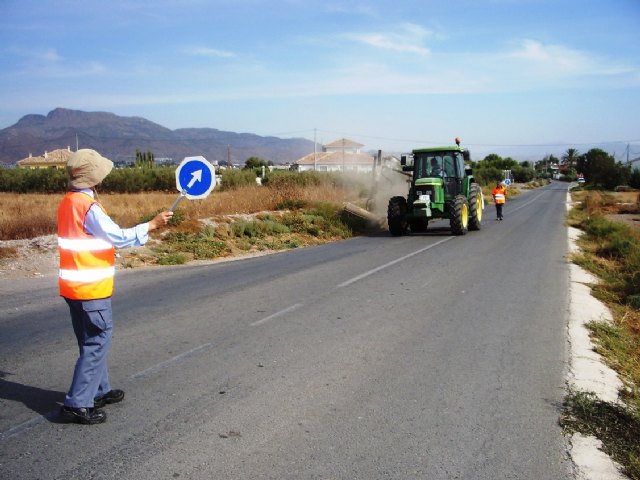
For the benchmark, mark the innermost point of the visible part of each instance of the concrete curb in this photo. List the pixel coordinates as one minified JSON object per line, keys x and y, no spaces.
{"x":587,"y":372}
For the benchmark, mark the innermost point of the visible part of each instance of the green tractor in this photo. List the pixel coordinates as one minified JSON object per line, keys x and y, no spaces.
{"x":441,"y":187}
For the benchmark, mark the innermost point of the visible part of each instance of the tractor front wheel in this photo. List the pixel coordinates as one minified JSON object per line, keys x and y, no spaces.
{"x":475,"y":207}
{"x":459,"y":215}
{"x":396,"y":216}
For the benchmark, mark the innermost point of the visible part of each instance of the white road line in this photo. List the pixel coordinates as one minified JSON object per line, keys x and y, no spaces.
{"x":166,"y":363}
{"x":277,"y":314}
{"x":24,"y":426}
{"x":393,"y":262}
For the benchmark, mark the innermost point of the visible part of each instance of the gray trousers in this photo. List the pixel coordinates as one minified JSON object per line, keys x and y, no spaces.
{"x":93,"y":325}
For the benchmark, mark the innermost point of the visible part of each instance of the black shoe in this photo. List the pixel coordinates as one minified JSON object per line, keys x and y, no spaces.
{"x":112,"y":396}
{"x":86,"y":416}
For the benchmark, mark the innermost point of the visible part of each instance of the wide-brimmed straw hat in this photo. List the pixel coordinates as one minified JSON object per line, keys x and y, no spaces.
{"x":87,"y":168}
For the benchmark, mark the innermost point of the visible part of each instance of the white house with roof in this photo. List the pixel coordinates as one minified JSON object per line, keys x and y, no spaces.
{"x":342,"y":155}
{"x":54,"y":159}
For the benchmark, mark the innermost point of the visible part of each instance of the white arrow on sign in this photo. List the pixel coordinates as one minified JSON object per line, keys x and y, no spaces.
{"x":196,"y":176}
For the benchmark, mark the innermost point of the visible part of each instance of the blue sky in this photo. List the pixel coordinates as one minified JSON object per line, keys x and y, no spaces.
{"x":515,"y":77}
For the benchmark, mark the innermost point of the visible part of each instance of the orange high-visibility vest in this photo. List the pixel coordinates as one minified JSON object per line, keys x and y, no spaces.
{"x":499,"y":195}
{"x":87,"y":263}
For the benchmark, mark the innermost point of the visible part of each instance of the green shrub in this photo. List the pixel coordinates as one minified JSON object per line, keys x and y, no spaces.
{"x":178,"y":217}
{"x":232,"y":179}
{"x":244,"y":228}
{"x":120,"y":180}
{"x":600,"y":227}
{"x":202,"y":245}
{"x":44,"y":180}
{"x":615,"y":241}
{"x":270,"y":227}
{"x":172,"y":259}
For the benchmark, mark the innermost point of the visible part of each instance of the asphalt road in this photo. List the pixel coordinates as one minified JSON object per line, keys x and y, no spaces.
{"x":426,"y":356}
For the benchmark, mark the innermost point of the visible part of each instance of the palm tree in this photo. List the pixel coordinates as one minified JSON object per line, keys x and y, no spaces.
{"x":570,"y":158}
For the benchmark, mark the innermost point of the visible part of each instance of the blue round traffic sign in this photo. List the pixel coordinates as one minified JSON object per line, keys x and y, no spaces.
{"x":195,"y":177}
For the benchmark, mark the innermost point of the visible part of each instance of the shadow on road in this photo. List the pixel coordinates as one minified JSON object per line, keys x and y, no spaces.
{"x":37,"y":399}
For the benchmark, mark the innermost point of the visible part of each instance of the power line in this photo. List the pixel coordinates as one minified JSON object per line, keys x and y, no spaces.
{"x":422,"y":141}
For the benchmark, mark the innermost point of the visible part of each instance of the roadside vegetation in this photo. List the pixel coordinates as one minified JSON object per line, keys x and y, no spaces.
{"x":610,"y":249}
{"x":288,"y":211}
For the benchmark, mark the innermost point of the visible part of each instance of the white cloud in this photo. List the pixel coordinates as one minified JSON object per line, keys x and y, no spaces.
{"x":557,"y":57}
{"x":208,"y":52}
{"x":48,"y":55}
{"x":407,"y":38}
{"x":557,"y":65}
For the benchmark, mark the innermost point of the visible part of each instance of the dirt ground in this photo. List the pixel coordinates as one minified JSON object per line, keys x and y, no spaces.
{"x":29,"y":258}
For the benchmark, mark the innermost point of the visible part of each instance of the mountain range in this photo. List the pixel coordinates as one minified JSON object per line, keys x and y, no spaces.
{"x":118,"y":138}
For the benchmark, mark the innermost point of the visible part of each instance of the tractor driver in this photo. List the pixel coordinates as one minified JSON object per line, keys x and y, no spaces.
{"x":436,"y":168}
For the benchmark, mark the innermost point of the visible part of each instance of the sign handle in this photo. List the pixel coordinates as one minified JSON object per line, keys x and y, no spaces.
{"x":175,"y":204}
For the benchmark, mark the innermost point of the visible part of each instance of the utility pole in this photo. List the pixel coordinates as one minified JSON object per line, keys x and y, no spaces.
{"x":627,"y":153}
{"x":229,"y":156}
{"x":315,"y":160}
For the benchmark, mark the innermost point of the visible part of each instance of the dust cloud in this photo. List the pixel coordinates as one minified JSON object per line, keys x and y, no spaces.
{"x":389,"y":181}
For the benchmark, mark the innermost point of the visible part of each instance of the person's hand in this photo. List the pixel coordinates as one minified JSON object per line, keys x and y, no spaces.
{"x":160,"y":220}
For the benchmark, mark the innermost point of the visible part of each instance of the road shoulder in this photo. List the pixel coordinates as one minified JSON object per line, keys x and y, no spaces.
{"x":587,"y":371}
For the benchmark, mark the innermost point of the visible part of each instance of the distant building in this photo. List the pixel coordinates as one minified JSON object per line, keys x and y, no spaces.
{"x":54,"y":159}
{"x":340,"y":155}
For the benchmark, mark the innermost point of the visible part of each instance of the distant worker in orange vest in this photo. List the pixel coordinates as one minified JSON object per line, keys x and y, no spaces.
{"x":499,"y":197}
{"x":87,"y":238}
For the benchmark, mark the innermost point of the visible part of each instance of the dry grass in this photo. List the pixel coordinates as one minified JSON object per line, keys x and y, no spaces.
{"x":603,"y":203}
{"x":27,"y":215}
{"x":30,"y":215}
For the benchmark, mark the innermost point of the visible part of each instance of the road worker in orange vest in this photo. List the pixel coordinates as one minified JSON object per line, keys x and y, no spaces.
{"x":499,"y":193}
{"x":87,"y":239}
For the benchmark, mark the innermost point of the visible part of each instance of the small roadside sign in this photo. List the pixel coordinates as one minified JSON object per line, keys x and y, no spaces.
{"x":195,"y":179}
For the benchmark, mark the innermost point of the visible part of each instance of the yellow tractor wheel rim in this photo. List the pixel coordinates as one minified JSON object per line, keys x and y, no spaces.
{"x":479,"y":208}
{"x":465,"y":215}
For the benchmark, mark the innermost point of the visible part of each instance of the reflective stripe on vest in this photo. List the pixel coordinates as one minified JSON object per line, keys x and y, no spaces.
{"x":499,"y":197}
{"x":87,"y":263}
{"x":83,"y":244}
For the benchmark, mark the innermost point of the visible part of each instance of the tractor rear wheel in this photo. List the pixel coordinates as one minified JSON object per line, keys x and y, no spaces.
{"x":396,"y":216}
{"x":475,"y":207}
{"x":459,"y":221}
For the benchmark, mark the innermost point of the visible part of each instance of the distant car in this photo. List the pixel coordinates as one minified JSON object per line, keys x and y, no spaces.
{"x":581,"y":180}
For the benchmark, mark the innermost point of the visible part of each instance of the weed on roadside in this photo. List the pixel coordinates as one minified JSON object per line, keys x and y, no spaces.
{"x":615,"y":426}
{"x":198,"y":246}
{"x":611,"y":251}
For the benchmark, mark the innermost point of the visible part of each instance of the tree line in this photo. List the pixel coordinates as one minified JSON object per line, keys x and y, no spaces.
{"x":600,"y":170}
